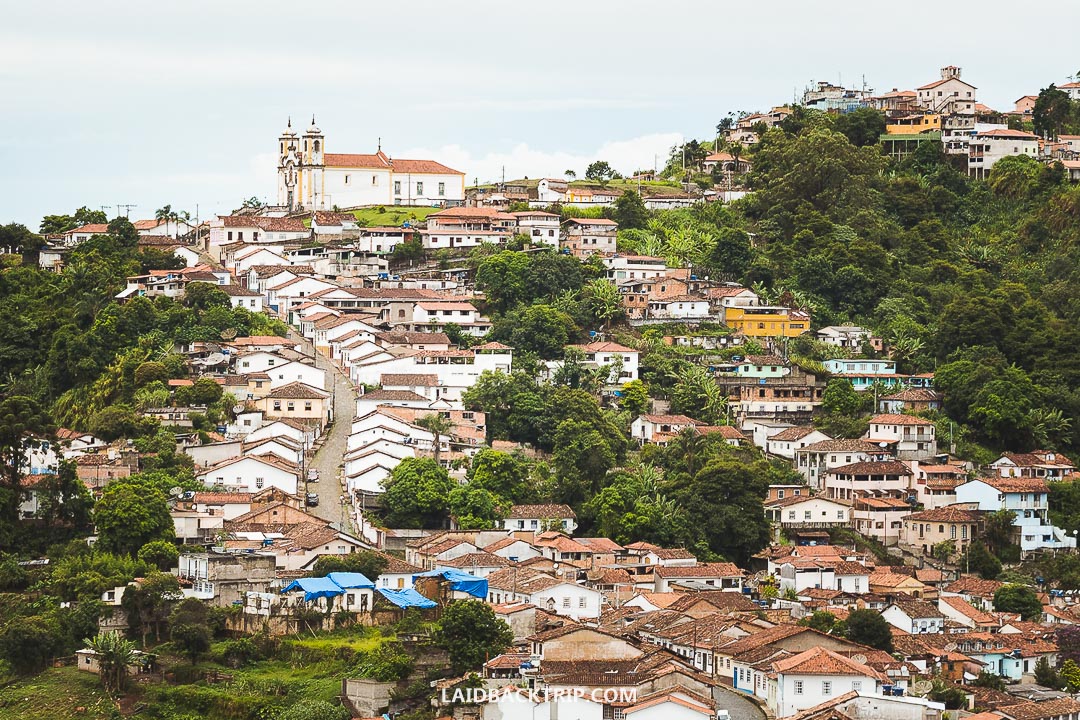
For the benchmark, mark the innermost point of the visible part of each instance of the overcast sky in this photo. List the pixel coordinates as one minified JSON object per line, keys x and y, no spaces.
{"x":104,"y":102}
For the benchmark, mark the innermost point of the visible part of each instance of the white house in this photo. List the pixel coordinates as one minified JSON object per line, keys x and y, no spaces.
{"x":806,"y":511}
{"x":541,"y":517}
{"x":541,"y":227}
{"x":651,"y":428}
{"x":914,"y":616}
{"x":907,"y":437}
{"x":989,"y":146}
{"x":251,"y":474}
{"x":719,"y":575}
{"x":585,"y":236}
{"x":679,"y":307}
{"x":1027,"y":499}
{"x":786,"y":442}
{"x":241,"y":297}
{"x":624,"y":360}
{"x":562,"y":597}
{"x":844,"y":336}
{"x":815,"y":676}
{"x":621,"y":268}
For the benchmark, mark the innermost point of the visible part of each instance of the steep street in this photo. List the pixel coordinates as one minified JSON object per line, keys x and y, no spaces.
{"x":328,"y":459}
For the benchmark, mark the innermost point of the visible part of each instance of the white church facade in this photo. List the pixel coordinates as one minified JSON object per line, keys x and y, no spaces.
{"x":309,"y":178}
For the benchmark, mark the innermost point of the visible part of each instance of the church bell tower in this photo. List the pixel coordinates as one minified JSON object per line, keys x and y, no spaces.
{"x":289,"y":161}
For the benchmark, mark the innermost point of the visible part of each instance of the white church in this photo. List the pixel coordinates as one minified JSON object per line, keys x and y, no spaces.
{"x":309,"y":178}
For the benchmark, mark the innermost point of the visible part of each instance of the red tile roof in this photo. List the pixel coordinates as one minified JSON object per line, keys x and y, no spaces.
{"x":894,"y":419}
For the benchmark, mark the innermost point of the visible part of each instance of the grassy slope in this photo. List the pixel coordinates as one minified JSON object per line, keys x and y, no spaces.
{"x":55,"y":694}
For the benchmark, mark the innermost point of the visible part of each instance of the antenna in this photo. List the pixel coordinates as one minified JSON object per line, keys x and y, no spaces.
{"x":127,"y":208}
{"x":105,"y":207}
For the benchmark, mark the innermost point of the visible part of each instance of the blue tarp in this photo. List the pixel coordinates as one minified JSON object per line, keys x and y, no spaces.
{"x":407,"y":598}
{"x":351,"y":580}
{"x":460,"y":580}
{"x":315,"y":588}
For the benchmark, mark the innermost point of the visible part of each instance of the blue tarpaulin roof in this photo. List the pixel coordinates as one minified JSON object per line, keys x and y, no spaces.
{"x":460,"y":580}
{"x":350,"y":580}
{"x":407,"y":598}
{"x":315,"y":588}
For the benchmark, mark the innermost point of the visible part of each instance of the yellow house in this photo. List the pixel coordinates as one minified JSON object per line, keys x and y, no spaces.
{"x":767,"y":321}
{"x":914,"y":124}
{"x":297,"y":401}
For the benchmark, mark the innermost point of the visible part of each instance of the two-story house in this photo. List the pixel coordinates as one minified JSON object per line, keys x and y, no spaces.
{"x":1027,"y":499}
{"x":587,"y":236}
{"x":905,"y":436}
{"x":538,"y":518}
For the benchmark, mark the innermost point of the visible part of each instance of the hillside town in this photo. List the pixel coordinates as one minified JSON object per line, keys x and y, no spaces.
{"x":730,"y":438}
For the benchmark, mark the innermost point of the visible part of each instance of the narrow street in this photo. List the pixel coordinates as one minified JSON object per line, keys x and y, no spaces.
{"x":328,"y":459}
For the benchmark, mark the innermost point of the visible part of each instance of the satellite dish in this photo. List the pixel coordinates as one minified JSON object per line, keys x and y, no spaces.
{"x":951,"y":647}
{"x":921,"y":687}
{"x":228,"y":334}
{"x":860,"y":658}
{"x":176,"y":492}
{"x":237,"y":409}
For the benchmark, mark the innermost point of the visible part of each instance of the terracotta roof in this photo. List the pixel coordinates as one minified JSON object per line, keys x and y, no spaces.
{"x":92,"y":228}
{"x":477,"y":559}
{"x":968,"y":610}
{"x":604,"y":347}
{"x":708,"y":570}
{"x":212,"y":498}
{"x":1045,"y":709}
{"x":1010,"y":134}
{"x":378,"y":160}
{"x":917,"y":608}
{"x":525,"y":512}
{"x":894,"y":419}
{"x":400,"y":337}
{"x":422,"y":167}
{"x":946,"y":515}
{"x":792,"y":433}
{"x":722,"y":292}
{"x":971,"y":585}
{"x":298,"y":391}
{"x":670,"y":420}
{"x":237,"y":291}
{"x":841,"y":445}
{"x":1016,"y":485}
{"x":889,"y":579}
{"x":914,"y":395}
{"x":726,"y":431}
{"x":819,"y":661}
{"x":393,"y":395}
{"x":409,"y":380}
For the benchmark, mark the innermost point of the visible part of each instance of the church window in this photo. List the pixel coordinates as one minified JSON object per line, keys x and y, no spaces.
{"x":442,"y":189}
{"x":397,"y":187}
{"x":419,"y":188}
{"x":305,"y":146}
{"x":317,"y":145}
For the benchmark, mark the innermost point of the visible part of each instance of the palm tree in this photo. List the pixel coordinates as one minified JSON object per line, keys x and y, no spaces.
{"x":164,"y":214}
{"x":438,"y":426}
{"x":605,"y":300}
{"x":115,"y":655}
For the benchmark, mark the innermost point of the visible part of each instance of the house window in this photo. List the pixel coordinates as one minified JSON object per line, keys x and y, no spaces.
{"x":259,"y":483}
{"x":791,"y":514}
{"x":347,"y":182}
{"x":566,"y":602}
{"x":290,"y":406}
{"x":581,"y":602}
{"x":397,"y":187}
{"x":839,"y":514}
{"x":856,"y":685}
{"x":779,"y":494}
{"x":806,"y":515}
{"x":277,"y":405}
{"x":307,"y":405}
{"x":798,"y":687}
{"x":419,"y":188}
{"x":442,"y":189}
{"x":826,"y":687}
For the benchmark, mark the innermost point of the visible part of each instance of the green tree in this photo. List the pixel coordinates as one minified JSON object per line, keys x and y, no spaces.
{"x":148,"y":603}
{"x":998,"y":533}
{"x":635,"y":398}
{"x":1045,"y":674}
{"x":64,"y":499}
{"x":1018,"y":599}
{"x":204,"y":296}
{"x":149,"y":372}
{"x":868,"y":627}
{"x":840,"y":397}
{"x":19,"y":416}
{"x":28,"y":644}
{"x":978,"y":559}
{"x":820,"y":620}
{"x":724,"y":501}
{"x":503,"y":474}
{"x":989,"y":680}
{"x":131,"y":513}
{"x":368,"y":563}
{"x":599,"y":171}
{"x":731,"y":255}
{"x":603,"y":299}
{"x":471,"y":633}
{"x":862,"y":127}
{"x":541,"y":329}
{"x":476,"y":508}
{"x":630,"y":211}
{"x":189,"y":628}
{"x":438,"y":425}
{"x":1052,"y":110}
{"x":416,"y":494}
{"x":308,"y":709}
{"x":1070,"y":674}
{"x":114,"y":655}
{"x":161,"y":554}
{"x":115,"y":422}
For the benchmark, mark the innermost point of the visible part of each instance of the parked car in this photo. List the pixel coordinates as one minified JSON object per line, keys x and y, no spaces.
{"x":312,"y":499}
{"x":313,"y":475}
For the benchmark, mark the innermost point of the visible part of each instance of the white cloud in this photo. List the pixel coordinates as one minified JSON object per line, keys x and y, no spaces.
{"x":521,"y":160}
